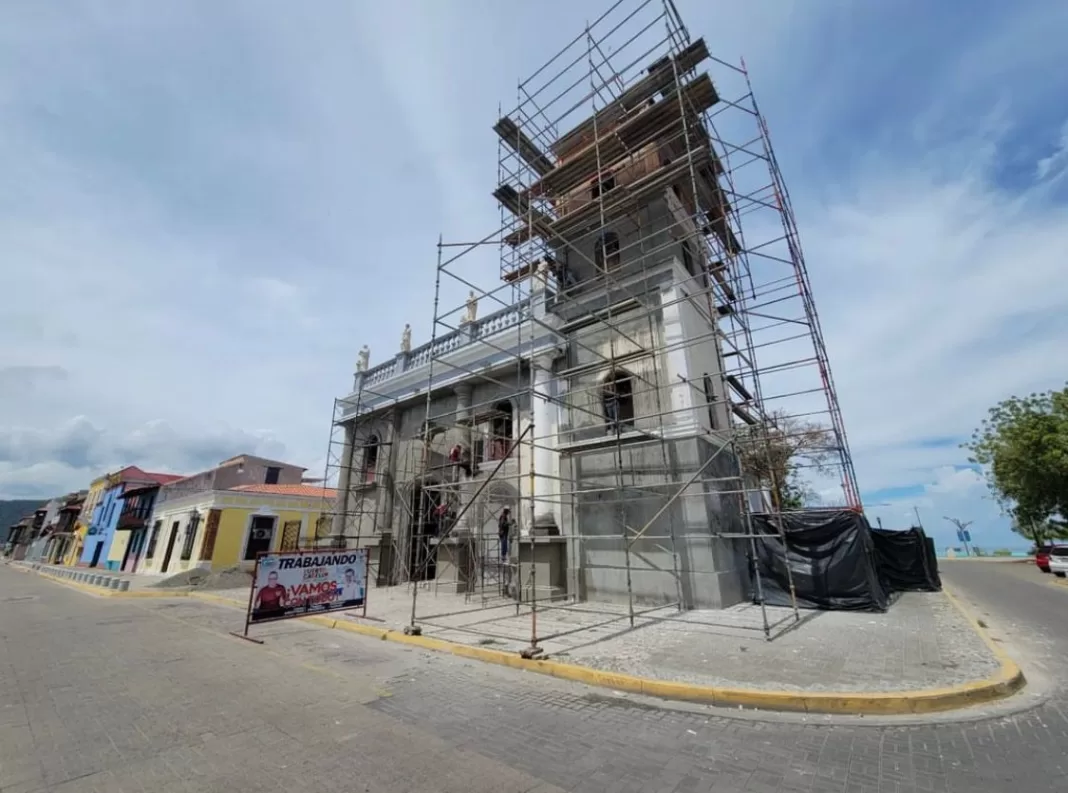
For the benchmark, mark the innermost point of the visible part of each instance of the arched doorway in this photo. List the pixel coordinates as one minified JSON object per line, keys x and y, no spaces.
{"x":423,"y":527}
{"x":501,"y":430}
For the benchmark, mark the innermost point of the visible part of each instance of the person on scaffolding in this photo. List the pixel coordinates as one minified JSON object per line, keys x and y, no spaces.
{"x":441,"y":519}
{"x":459,"y":456}
{"x":504,"y":531}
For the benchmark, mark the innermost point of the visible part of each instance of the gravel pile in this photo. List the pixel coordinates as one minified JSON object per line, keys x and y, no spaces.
{"x":230,"y":578}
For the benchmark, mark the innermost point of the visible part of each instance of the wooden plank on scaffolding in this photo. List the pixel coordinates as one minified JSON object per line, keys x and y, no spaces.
{"x":742,"y":391}
{"x":660,"y":77}
{"x":513,"y":137}
{"x":743,"y":414}
{"x":718,"y":269}
{"x":656,"y":122}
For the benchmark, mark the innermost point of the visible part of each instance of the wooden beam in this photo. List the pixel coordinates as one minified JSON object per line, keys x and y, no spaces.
{"x":660,"y":77}
{"x":517,"y":141}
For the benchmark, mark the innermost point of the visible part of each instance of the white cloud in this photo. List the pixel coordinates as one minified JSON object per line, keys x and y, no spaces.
{"x":1054,"y":164}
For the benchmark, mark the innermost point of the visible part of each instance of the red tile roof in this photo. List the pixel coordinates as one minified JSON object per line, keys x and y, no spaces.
{"x":307,"y":491}
{"x":163,"y":479}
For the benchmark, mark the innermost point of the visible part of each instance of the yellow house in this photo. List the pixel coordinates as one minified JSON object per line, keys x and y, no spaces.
{"x":217,"y":529}
{"x":81,"y":524}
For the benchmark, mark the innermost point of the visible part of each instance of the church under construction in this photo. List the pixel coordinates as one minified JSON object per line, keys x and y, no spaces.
{"x":579,"y":431}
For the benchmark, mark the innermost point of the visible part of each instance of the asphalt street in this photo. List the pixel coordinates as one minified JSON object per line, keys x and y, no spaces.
{"x":122,"y":695}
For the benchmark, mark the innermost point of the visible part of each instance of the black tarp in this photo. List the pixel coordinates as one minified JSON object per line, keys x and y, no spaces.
{"x":905,"y":560}
{"x":932,"y":563}
{"x":831,"y":558}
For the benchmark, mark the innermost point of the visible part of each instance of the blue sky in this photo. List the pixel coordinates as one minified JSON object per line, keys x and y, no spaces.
{"x":208,"y":207}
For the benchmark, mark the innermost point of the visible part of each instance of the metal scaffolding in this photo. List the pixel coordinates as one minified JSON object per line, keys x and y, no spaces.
{"x":569,"y":403}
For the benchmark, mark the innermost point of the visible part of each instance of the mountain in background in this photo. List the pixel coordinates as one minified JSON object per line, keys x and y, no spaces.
{"x":12,"y":512}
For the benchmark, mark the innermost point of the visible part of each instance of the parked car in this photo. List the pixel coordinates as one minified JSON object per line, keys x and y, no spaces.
{"x":1042,"y":554}
{"x":1058,"y":560}
{"x":1042,"y":558}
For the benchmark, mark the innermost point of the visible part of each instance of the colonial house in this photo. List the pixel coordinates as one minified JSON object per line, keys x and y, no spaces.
{"x":220,"y":529}
{"x":131,"y":529}
{"x":225,"y":516}
{"x":85,"y":516}
{"x":62,"y":535}
{"x":96,"y":549}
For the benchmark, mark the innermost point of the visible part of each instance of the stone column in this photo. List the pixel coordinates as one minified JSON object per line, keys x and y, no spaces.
{"x":545,"y":521}
{"x":387,"y":484}
{"x":463,"y":413}
{"x":344,"y":477}
{"x":465,"y":420}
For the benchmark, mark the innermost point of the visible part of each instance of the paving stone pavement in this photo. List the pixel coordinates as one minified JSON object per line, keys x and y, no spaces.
{"x":106,"y":695}
{"x":112,"y":695}
{"x":922,"y":642}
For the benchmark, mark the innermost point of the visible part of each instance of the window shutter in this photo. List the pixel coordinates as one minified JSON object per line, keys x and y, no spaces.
{"x":211,"y":530}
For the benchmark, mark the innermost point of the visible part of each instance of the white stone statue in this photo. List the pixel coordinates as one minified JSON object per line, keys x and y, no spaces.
{"x":472,"y":307}
{"x":406,"y":339}
{"x":364,"y":359}
{"x":542,"y":271}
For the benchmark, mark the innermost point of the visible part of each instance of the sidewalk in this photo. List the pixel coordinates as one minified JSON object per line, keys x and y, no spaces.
{"x":922,"y":642}
{"x":926,"y":654}
{"x":136,"y":582}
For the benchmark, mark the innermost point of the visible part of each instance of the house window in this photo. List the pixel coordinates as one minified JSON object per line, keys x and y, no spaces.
{"x":710,"y":401}
{"x":601,"y":187}
{"x":190,"y":536}
{"x":153,"y":539}
{"x":687,"y":256}
{"x":290,"y":536}
{"x":260,"y":533}
{"x":211,"y":532}
{"x":323,"y":527}
{"x":500,"y":431}
{"x":370,"y":458}
{"x":606,"y":251}
{"x":273,"y":472}
{"x":617,"y":400}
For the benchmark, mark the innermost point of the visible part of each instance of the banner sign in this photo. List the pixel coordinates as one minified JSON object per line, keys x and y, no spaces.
{"x":298,"y":583}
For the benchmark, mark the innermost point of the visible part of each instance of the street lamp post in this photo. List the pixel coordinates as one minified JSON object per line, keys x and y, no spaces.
{"x":962,"y":533}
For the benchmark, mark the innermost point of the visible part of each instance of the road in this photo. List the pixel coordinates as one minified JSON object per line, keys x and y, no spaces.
{"x":121,"y":695}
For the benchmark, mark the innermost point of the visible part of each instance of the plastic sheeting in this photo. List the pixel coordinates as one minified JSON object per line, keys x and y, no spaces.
{"x":831,"y":557}
{"x":906,"y":561}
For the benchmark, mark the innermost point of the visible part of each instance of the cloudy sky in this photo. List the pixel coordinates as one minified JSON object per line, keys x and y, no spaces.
{"x":207,"y":207}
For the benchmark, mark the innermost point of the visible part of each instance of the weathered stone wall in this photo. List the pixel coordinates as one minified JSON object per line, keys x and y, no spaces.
{"x":678,"y":557}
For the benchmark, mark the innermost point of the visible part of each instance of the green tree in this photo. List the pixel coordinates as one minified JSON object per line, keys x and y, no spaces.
{"x":1022,"y":446}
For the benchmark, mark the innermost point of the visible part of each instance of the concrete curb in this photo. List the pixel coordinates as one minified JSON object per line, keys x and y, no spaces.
{"x":1007,"y":681}
{"x":104,"y":590}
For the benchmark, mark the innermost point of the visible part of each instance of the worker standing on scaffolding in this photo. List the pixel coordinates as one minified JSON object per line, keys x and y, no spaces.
{"x":461,"y":457}
{"x":504,"y":531}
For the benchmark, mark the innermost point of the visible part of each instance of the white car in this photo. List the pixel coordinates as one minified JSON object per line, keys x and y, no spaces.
{"x":1058,"y":561}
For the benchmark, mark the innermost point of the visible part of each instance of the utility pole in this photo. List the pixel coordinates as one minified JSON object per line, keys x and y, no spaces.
{"x":962,"y":534}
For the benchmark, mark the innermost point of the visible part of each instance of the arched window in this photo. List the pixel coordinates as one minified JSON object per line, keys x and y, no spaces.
{"x":370,"y":457}
{"x":500,"y":430}
{"x":606,"y":251}
{"x":617,"y":400}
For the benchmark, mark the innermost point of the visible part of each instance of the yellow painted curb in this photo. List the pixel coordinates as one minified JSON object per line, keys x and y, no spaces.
{"x":1007,"y":681}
